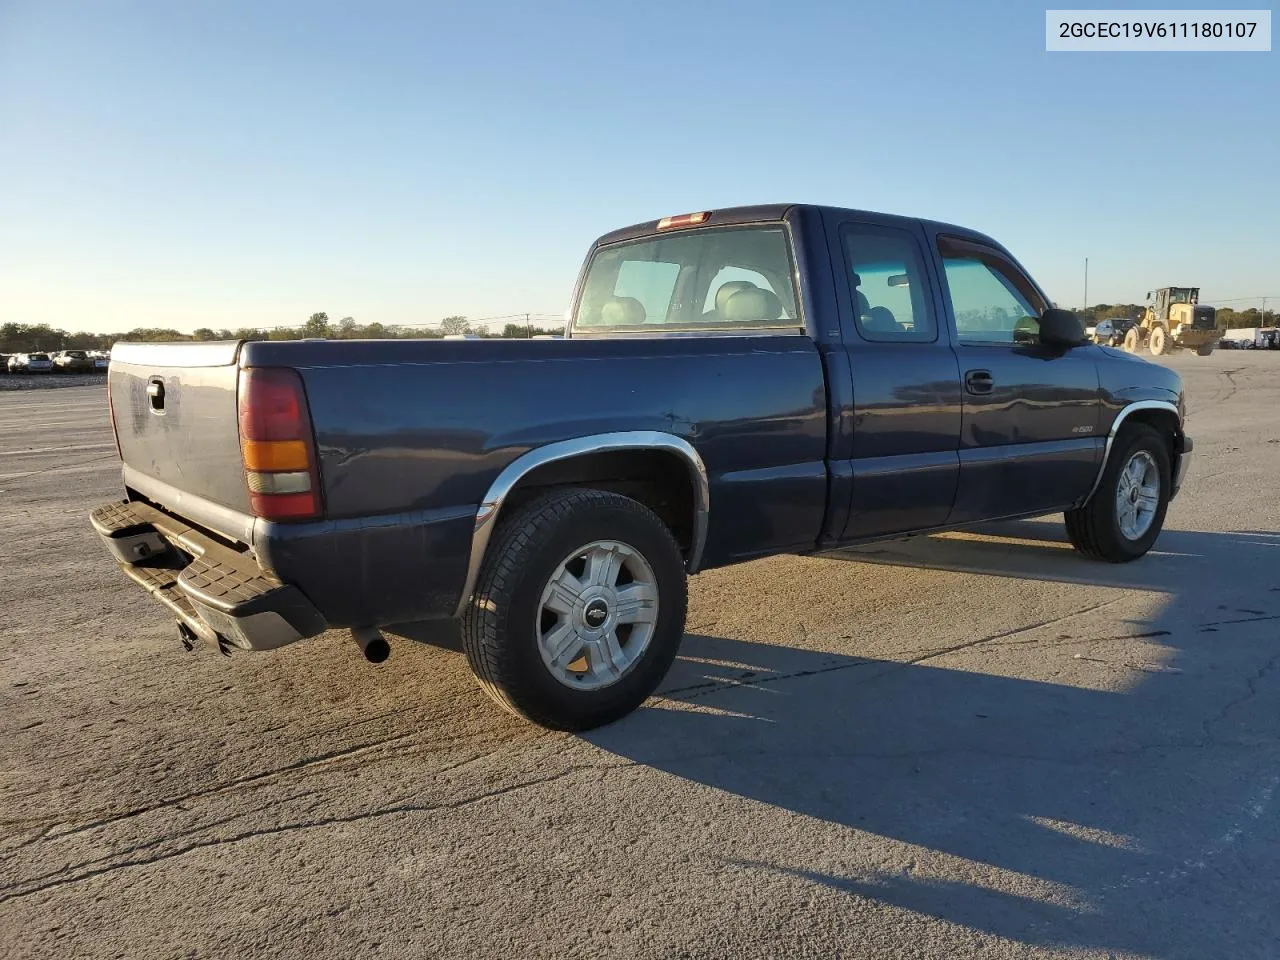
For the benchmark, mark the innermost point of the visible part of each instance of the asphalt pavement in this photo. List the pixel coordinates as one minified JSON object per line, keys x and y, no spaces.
{"x":967,"y":745}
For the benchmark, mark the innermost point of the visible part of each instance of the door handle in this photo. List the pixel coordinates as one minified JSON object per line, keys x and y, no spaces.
{"x":978,"y":381}
{"x":155,"y":392}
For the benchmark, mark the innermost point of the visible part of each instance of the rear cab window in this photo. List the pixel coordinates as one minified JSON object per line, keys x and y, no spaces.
{"x":733,"y":278}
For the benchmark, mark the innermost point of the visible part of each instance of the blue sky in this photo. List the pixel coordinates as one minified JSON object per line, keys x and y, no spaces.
{"x":226,"y":164}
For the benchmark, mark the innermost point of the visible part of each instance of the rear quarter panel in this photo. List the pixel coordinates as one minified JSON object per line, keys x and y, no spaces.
{"x":426,"y":426}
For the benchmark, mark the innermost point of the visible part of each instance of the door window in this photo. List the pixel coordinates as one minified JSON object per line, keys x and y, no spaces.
{"x":889,"y":284}
{"x":990,"y":300}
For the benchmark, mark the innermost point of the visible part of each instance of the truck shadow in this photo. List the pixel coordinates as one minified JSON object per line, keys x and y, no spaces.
{"x":1130,"y":819}
{"x":1040,"y":550}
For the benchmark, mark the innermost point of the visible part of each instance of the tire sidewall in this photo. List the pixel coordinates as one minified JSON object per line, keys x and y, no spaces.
{"x":1129,"y":442}
{"x":1158,"y":341}
{"x":589,"y":523}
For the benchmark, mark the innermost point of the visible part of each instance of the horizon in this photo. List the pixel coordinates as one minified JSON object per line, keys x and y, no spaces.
{"x":239,"y":165}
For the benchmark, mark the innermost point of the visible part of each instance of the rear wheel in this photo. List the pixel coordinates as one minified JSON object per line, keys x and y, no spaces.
{"x":579,"y":609}
{"x":1126,"y":513}
{"x":1133,"y":340}
{"x":1158,"y":341}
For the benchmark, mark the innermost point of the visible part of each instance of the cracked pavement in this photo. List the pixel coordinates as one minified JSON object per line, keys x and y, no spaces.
{"x":966,"y":745}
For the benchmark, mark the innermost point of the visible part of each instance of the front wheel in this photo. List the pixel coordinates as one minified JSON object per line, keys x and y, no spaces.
{"x":1132,"y":340}
{"x":1204,"y":350}
{"x":579,"y":609}
{"x":1158,"y":341}
{"x":1126,"y":513}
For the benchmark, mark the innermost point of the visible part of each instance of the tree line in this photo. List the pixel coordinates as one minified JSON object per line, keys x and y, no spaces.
{"x":28,"y":337}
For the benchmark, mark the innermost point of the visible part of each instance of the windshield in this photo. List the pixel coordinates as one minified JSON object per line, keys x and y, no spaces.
{"x":717,"y":278}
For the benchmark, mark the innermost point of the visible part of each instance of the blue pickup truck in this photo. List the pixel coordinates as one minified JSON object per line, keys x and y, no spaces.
{"x":732,"y":384}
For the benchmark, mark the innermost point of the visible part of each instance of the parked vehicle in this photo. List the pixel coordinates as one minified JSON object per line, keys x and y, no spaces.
{"x":72,"y":361}
{"x":30,"y":363}
{"x":100,"y":360}
{"x":734,"y":384}
{"x":1111,"y":333}
{"x":4,"y":362}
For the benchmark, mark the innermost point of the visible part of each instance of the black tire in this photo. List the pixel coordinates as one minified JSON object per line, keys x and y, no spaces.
{"x":1094,"y":529}
{"x":498,"y":628}
{"x":1204,"y":350}
{"x":1158,"y":341}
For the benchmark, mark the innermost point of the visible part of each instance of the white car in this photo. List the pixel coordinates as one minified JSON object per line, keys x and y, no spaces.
{"x":30,"y":363}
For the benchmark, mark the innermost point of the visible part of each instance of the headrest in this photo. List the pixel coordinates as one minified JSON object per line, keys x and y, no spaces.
{"x":728,"y":289}
{"x":622,"y":312}
{"x":754,"y":304}
{"x":864,"y":306}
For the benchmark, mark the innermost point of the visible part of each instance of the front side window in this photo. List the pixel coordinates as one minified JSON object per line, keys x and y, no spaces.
{"x":889,"y":284}
{"x":990,"y":300}
{"x":711,"y":278}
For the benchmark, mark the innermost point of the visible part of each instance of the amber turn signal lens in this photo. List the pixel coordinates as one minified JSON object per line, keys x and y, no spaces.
{"x":275,"y":455}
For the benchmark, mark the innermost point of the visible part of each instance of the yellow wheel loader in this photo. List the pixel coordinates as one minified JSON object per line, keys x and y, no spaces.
{"x":1175,"y":318}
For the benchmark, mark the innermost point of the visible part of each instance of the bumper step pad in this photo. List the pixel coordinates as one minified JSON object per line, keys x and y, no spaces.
{"x":222,"y":595}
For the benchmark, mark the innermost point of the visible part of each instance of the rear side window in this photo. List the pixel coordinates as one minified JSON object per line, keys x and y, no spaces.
{"x":890,"y":287}
{"x":719,"y":278}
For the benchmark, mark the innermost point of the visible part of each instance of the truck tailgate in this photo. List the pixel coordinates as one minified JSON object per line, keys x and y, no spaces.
{"x":174,"y":406}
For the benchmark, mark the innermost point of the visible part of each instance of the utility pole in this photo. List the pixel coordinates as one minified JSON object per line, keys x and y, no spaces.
{"x":1086,"y":283}
{"x":528,"y":326}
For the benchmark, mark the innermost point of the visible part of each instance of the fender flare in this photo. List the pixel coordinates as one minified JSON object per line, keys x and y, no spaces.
{"x":514,"y":472}
{"x":1115,"y":430}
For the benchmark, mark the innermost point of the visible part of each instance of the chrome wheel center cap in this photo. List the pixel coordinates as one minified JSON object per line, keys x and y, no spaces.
{"x":595,"y":613}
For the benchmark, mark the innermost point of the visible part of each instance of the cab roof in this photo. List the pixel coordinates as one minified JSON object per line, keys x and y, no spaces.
{"x":781,"y":211}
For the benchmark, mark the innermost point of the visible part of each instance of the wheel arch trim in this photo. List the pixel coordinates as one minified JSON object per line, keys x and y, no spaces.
{"x":1116,"y":424}
{"x":511,"y":475}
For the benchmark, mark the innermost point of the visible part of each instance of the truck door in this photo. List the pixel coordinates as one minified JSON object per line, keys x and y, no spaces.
{"x":1028,"y":442}
{"x":906,"y":382}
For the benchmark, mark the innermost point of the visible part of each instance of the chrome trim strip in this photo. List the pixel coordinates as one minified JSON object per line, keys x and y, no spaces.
{"x":1115,"y":429}
{"x":507,"y":480}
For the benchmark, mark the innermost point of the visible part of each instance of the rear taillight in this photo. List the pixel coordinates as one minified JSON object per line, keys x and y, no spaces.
{"x":276,"y":446}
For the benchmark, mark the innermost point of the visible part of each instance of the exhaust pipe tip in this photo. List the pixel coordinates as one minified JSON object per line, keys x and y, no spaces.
{"x":372,"y":644}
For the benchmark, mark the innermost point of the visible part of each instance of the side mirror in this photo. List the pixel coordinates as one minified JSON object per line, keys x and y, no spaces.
{"x":1061,"y":328}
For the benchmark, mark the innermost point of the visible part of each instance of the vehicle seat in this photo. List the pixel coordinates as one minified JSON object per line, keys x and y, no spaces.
{"x":864,"y":307}
{"x":622,"y":312}
{"x":881,"y":320}
{"x":727,"y":290}
{"x":751,"y":305}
